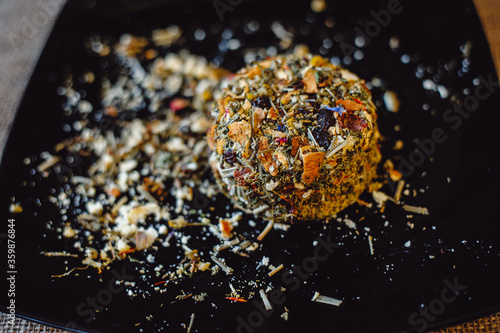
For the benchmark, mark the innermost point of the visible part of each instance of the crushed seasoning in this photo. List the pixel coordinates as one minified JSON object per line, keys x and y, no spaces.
{"x":285,"y":129}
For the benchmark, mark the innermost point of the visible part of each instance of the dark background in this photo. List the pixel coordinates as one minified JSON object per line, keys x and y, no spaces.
{"x":376,"y":299}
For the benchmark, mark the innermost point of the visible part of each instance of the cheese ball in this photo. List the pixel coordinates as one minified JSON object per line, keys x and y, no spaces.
{"x":294,"y":138}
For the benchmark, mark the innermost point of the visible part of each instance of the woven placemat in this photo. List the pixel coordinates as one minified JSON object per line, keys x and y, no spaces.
{"x":489,"y":324}
{"x":24,"y":326}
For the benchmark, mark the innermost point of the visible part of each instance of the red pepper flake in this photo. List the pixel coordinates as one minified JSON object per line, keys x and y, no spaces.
{"x":111,"y":111}
{"x":157,"y":283}
{"x":290,"y":202}
{"x":178,"y":104}
{"x":226,"y":228}
{"x":114,"y":192}
{"x":239,"y":176}
{"x":234,"y":299}
{"x":280,"y":140}
{"x":353,"y":122}
{"x":127,"y":251}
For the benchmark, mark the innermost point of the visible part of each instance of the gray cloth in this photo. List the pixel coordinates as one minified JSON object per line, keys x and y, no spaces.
{"x":24,"y":28}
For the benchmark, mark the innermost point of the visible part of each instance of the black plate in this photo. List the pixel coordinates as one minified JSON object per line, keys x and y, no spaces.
{"x":405,"y":284}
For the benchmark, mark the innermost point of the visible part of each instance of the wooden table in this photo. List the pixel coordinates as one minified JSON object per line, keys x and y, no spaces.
{"x":489,"y":12}
{"x":24,"y":28}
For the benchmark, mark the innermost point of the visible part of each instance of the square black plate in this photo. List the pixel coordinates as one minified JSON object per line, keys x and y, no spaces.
{"x":441,"y":63}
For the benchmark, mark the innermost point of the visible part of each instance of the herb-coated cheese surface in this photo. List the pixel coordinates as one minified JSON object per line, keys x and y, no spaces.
{"x":294,"y":137}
